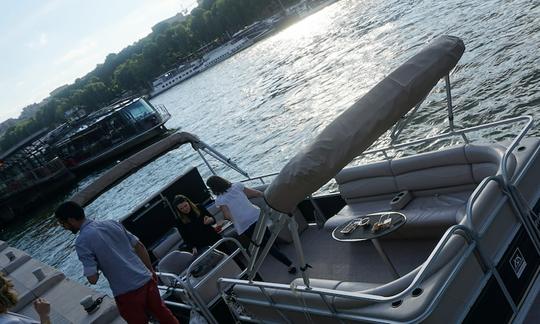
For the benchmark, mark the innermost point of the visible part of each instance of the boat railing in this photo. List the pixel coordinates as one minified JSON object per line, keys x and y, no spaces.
{"x":163,"y":112}
{"x":459,"y":133}
{"x":184,"y":284}
{"x":226,"y":285}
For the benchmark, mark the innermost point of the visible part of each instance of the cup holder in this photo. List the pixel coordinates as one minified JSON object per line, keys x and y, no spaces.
{"x":400,"y":200}
{"x":397,"y":303}
{"x":417,"y":292}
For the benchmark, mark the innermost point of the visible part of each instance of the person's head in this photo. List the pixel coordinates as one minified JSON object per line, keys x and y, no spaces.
{"x":218,"y":185}
{"x":8,"y":296}
{"x":184,"y":206}
{"x":70,"y":215}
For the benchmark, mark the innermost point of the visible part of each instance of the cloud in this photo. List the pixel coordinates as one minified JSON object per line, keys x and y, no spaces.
{"x":42,"y":41}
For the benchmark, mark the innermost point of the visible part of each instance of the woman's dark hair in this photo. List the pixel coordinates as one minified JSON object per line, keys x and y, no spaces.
{"x":178,"y":199}
{"x":218,"y":185}
{"x":69,"y":209}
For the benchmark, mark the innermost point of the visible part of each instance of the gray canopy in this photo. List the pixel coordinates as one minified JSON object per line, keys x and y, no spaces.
{"x":131,"y":164}
{"x":359,"y":126}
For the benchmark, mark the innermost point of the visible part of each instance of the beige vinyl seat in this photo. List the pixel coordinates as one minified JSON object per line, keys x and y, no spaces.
{"x":440,"y":183}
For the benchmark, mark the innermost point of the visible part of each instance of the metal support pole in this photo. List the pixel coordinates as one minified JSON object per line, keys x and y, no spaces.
{"x":206,"y":162}
{"x":256,"y":262}
{"x":293,"y":227}
{"x":449,"y":102}
{"x":317,"y":212}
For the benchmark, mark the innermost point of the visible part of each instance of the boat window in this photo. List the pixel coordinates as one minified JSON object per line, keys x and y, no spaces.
{"x":139,"y":110}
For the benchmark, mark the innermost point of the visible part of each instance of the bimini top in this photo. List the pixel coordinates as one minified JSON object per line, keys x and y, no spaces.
{"x":132,"y":164}
{"x":359,"y":126}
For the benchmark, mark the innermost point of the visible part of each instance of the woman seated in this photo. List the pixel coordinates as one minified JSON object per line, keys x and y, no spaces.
{"x":195,"y":224}
{"x":232,"y":200}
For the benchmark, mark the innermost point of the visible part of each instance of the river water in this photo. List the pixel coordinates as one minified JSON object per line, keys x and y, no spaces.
{"x":260,"y":106}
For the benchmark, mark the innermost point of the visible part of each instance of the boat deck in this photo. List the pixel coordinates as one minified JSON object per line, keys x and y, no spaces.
{"x":347,"y":261}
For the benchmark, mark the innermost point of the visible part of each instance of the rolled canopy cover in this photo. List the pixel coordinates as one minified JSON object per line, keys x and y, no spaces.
{"x":359,"y":126}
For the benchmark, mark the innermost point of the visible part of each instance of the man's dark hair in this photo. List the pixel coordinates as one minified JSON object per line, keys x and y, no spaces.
{"x":218,"y":185}
{"x":69,"y":209}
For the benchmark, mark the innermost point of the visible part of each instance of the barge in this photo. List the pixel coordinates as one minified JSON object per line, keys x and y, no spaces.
{"x":107,"y":133}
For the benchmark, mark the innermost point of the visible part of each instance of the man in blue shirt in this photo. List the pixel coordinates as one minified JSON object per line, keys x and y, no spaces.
{"x":122,"y":258}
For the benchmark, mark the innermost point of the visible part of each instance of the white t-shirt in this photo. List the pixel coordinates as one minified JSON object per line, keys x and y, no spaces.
{"x":12,"y":318}
{"x":243,"y":212}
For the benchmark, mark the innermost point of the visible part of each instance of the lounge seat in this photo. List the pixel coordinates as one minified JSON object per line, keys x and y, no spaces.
{"x":439,"y":182}
{"x":170,"y":242}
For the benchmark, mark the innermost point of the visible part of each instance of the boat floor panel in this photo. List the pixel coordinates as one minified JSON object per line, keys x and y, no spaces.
{"x":347,"y":261}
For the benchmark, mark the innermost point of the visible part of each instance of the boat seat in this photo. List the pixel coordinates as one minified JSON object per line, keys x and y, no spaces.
{"x":177,"y":263}
{"x":170,"y":242}
{"x":440,"y":184}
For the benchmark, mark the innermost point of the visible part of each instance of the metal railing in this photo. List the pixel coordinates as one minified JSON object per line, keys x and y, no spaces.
{"x":189,"y":290}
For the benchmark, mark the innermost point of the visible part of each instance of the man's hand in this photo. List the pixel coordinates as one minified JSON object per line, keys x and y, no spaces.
{"x":194,"y":251}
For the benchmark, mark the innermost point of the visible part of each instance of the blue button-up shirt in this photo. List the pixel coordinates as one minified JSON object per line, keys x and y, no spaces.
{"x":108,"y":246}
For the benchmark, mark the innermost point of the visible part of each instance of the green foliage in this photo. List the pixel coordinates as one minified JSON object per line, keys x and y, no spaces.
{"x":135,"y":66}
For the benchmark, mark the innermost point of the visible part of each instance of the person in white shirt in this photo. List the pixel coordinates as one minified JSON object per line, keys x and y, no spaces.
{"x":8,"y":299}
{"x":233,"y":200}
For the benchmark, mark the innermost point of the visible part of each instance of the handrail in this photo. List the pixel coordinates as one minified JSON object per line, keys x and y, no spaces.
{"x":191,"y":288}
{"x":422,"y":273}
{"x":453,"y":133}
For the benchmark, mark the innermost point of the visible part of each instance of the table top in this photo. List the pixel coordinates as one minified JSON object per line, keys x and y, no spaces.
{"x":362,"y":233}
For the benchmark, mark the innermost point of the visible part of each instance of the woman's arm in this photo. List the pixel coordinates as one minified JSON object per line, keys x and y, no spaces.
{"x":226,"y":212}
{"x":252,"y":193}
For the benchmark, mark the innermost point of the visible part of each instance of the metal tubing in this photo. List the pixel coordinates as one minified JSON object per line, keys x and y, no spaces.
{"x":293,"y":227}
{"x":206,"y":162}
{"x":449,"y":102}
{"x":209,"y":150}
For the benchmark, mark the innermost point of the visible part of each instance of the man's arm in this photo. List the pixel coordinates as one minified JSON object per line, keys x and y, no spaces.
{"x":140,"y":250}
{"x":88,"y":260}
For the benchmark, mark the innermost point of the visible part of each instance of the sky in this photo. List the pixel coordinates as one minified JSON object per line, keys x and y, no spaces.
{"x":45,"y":44}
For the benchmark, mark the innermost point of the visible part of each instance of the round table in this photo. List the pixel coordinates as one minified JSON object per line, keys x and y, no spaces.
{"x":363,"y":233}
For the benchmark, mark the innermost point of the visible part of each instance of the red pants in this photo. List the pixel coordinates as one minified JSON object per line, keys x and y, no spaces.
{"x":135,"y":305}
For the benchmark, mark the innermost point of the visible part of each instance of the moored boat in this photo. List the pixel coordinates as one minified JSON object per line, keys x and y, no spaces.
{"x":107,"y":133}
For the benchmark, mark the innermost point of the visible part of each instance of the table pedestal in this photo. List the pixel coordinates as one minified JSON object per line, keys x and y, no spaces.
{"x":384,"y":256}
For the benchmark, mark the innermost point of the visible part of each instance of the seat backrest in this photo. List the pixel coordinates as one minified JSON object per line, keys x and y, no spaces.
{"x":449,"y":168}
{"x":170,"y":242}
{"x":176,"y":263}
